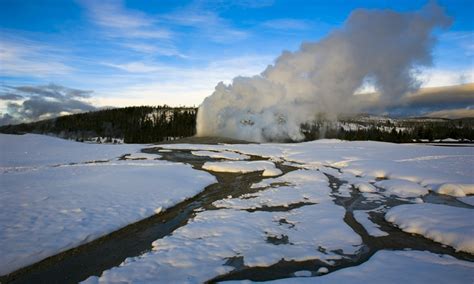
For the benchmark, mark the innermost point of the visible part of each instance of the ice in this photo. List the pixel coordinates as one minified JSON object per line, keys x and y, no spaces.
{"x":401,"y":188}
{"x":448,"y":225}
{"x":363,"y":218}
{"x":141,"y":156}
{"x":54,"y":208}
{"x":303,"y":273}
{"x":468,"y":200}
{"x":221,"y":155}
{"x":399,"y":267}
{"x":267,"y":167}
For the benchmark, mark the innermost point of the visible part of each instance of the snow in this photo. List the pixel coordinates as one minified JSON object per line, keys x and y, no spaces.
{"x":448,"y":225}
{"x":323,"y":270}
{"x":31,"y":150}
{"x":399,"y":267}
{"x":363,"y":218}
{"x":52,"y":207}
{"x":458,"y":190}
{"x":221,"y":155}
{"x":198,"y":251}
{"x":88,"y":191}
{"x":426,"y":165}
{"x":308,"y":186}
{"x":401,"y":188}
{"x":365,"y":187}
{"x":267,"y":167}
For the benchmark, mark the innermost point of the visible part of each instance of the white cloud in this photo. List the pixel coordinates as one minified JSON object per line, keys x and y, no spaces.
{"x":135,"y":67}
{"x":287,"y":24}
{"x":121,"y":22}
{"x":154,"y":49}
{"x":20,"y":57}
{"x":208,"y":23}
{"x":166,"y":84}
{"x":440,"y":78}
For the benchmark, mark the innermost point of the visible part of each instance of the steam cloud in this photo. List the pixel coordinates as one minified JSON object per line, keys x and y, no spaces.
{"x":383,"y":47}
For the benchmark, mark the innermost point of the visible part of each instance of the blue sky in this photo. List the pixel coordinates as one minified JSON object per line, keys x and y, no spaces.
{"x":174,"y":52}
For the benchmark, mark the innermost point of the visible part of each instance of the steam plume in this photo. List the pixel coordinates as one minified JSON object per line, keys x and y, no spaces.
{"x":383,"y":47}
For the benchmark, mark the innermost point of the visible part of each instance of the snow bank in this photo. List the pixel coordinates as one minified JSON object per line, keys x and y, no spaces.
{"x":267,"y":167}
{"x":401,"y":188}
{"x":365,"y":187}
{"x":221,"y":155}
{"x":54,"y":208}
{"x":458,"y":190}
{"x":31,"y":150}
{"x":399,"y":267}
{"x":448,"y":225}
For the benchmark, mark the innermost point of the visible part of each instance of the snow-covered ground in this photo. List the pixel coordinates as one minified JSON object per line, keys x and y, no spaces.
{"x":242,"y":226}
{"x":448,"y":225}
{"x":297,"y":214}
{"x":399,"y":267}
{"x":55,"y":196}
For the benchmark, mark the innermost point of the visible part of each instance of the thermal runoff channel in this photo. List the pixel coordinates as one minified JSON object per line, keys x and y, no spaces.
{"x":382,"y":48}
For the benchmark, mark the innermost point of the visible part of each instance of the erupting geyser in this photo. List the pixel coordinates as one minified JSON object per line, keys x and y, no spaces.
{"x":382,"y":46}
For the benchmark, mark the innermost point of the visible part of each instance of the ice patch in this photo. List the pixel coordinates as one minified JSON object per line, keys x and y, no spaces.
{"x":468,"y":200}
{"x":221,"y":155}
{"x":363,"y":218}
{"x":267,"y":167}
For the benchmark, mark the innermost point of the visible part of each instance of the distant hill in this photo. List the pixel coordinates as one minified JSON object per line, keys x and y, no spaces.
{"x":143,"y":124}
{"x":147,"y":124}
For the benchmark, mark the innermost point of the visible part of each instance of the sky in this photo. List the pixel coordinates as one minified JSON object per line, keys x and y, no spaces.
{"x":60,"y":56}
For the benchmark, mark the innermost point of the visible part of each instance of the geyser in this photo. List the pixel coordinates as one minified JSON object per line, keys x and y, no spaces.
{"x":322,"y":77}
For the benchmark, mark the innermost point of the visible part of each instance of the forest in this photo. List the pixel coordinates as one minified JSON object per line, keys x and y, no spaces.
{"x":148,"y":124}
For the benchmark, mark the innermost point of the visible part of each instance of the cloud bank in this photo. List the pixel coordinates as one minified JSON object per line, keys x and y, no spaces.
{"x":31,"y":103}
{"x":383,"y":47}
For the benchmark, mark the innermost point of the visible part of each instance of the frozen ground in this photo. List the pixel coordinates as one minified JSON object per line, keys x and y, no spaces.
{"x":295,"y":212}
{"x":300,"y":216}
{"x":399,"y":267}
{"x":62,"y":197}
{"x":448,"y":225}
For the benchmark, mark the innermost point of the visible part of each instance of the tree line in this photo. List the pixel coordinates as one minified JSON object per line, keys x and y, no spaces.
{"x":144,"y":124}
